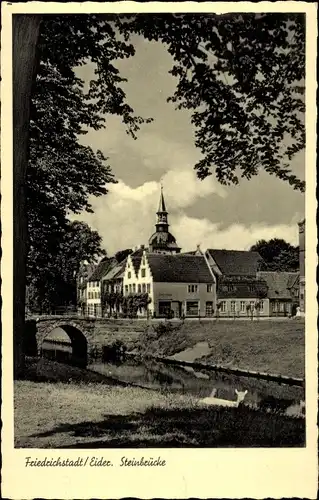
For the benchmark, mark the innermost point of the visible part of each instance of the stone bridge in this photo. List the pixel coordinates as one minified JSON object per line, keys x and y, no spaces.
{"x":86,"y":334}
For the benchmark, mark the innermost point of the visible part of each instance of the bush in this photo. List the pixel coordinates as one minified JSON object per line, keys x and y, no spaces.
{"x":163,"y":328}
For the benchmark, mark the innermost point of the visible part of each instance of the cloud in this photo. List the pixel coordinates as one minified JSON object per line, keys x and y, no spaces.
{"x":191,"y":231}
{"x":126,"y":216}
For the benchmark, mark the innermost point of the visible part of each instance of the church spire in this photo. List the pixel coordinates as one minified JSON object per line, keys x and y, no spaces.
{"x":161,"y":206}
{"x":162,"y":222}
{"x":162,"y":241}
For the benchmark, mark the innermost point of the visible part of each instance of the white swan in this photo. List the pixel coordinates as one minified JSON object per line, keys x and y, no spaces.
{"x":296,"y":410}
{"x":212,"y":400}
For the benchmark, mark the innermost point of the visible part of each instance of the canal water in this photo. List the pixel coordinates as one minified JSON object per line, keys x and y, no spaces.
{"x":199,"y":383}
{"x":180,"y":379}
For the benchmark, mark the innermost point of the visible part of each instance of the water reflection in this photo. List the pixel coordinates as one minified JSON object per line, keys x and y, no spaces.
{"x":185,"y":380}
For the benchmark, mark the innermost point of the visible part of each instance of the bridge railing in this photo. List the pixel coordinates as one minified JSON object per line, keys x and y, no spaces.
{"x":58,"y":311}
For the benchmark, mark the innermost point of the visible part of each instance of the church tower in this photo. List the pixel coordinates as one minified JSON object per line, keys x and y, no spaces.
{"x":162,"y":241}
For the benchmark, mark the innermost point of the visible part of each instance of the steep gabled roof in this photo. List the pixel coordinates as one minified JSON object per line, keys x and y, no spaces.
{"x":101,"y":269}
{"x":237,"y":262}
{"x":279,"y":283}
{"x":116,"y":271}
{"x":178,"y":268}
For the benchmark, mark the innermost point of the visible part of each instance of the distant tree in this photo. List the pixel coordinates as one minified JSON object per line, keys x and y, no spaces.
{"x":54,"y":263}
{"x":122,"y":254}
{"x":278,"y":255}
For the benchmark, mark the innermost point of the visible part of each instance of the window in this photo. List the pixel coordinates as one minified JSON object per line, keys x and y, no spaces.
{"x":144,"y":288}
{"x":252,"y":305}
{"x":129,"y":274}
{"x":164,"y":308}
{"x":139,"y":288}
{"x":192,"y":288}
{"x":134,"y":288}
{"x":281,"y":306}
{"x":126,"y":288}
{"x":233,"y":306}
{"x":242,"y":306}
{"x":143,"y":273}
{"x":130,"y":288}
{"x":209,"y":288}
{"x":261,"y":305}
{"x":230,"y":288}
{"x":148,"y":287}
{"x":274,"y":306}
{"x":95,"y":295}
{"x":209,"y":309}
{"x":223,"y":306}
{"x":192,"y":308}
{"x":251,"y":288}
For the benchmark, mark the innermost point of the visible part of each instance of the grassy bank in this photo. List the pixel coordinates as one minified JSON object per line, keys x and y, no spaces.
{"x":99,"y":415}
{"x":269,"y":345}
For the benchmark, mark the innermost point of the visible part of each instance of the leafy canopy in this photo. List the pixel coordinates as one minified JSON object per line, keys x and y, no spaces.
{"x":62,"y":173}
{"x":278,"y":255}
{"x":53,"y":266}
{"x":241,"y":75}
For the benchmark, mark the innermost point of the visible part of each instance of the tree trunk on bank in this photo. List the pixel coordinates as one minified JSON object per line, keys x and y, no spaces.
{"x":25,"y":32}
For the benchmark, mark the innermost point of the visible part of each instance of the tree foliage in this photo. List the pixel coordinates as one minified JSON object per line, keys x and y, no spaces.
{"x":122,"y":254}
{"x":278,"y":255}
{"x":127,"y":305}
{"x":62,"y":173}
{"x":241,"y":75}
{"x":54,"y":263}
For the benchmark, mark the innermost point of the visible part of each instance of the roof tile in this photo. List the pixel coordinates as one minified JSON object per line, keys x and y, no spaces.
{"x":279,"y":283}
{"x":180,"y":268}
{"x":237,"y":262}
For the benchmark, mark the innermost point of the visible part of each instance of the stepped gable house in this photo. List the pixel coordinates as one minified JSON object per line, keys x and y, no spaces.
{"x":178,"y":285}
{"x":239,"y":290}
{"x":226,"y":283}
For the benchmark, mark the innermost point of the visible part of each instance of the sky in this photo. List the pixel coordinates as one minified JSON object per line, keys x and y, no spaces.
{"x":201,"y":213}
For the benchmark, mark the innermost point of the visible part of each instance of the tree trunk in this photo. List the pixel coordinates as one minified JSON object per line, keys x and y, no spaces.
{"x":25,"y":32}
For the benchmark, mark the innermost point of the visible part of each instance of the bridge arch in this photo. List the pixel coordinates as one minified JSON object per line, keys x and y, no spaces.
{"x":79,"y":339}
